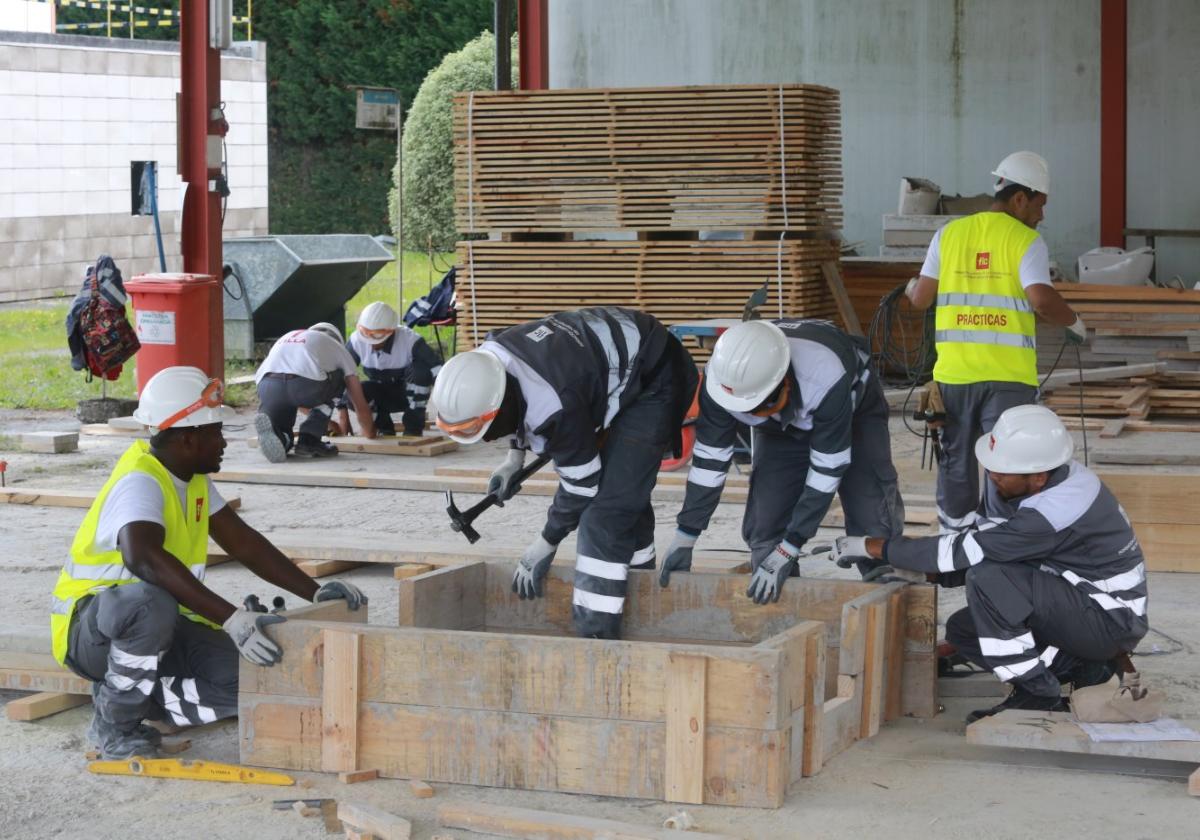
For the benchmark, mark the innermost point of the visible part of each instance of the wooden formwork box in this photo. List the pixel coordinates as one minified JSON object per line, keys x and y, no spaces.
{"x":708,"y":698}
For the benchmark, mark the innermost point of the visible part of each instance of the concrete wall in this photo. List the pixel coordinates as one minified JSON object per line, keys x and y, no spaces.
{"x":936,"y":88}
{"x":74,"y":111}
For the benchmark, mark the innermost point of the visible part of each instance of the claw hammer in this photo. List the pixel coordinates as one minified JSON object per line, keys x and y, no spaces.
{"x":460,"y":520}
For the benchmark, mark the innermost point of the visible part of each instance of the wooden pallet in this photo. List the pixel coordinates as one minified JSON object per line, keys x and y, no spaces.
{"x":745,"y":156}
{"x":710,"y":698}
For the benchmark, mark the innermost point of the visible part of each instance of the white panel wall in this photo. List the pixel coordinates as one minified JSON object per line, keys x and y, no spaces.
{"x":938,"y":88}
{"x":26,"y":16}
{"x":74,"y":112}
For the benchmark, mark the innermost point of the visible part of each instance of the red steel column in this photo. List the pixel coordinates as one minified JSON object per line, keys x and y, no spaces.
{"x":533,"y":44}
{"x":200,"y":98}
{"x":1113,"y":121}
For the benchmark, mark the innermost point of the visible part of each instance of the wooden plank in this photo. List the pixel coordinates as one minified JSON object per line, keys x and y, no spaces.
{"x":833,"y":280}
{"x":420,"y":789}
{"x":814,"y":676}
{"x":408,"y":570}
{"x":1194,"y":783}
{"x":873,"y":669}
{"x":529,"y":824}
{"x":353,"y":777}
{"x":324,"y":568}
{"x":685,"y":735}
{"x":339,"y":701}
{"x":375,"y":821}
{"x":43,"y":704}
{"x":449,"y":598}
{"x":1169,"y":548}
{"x":60,"y":680}
{"x":1057,"y":732}
{"x":65,"y":498}
{"x":1147,"y":498}
{"x":894,"y":658}
{"x":414,"y":446}
{"x":841,"y":718}
{"x":1072,"y":376}
{"x":918,"y":690}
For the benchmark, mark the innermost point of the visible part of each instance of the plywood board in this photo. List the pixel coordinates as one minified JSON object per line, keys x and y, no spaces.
{"x":49,"y":497}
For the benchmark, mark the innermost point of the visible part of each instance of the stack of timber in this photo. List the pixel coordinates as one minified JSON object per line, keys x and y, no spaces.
{"x":685,"y":158}
{"x":509,"y":282}
{"x":1174,"y":394}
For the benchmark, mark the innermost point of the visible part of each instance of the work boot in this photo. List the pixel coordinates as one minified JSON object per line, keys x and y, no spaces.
{"x":310,"y":447}
{"x":269,"y":443}
{"x":1087,"y":673}
{"x":117,"y":744}
{"x":1022,"y":699}
{"x":386,"y":427}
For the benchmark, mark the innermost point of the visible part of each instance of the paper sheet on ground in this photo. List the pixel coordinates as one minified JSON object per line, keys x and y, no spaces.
{"x":1163,"y":729}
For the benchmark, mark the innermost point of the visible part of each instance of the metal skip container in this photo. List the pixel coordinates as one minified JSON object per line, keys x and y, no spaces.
{"x":274,"y":284}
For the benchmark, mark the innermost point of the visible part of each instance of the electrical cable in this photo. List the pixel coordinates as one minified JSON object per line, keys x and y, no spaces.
{"x":895,"y":359}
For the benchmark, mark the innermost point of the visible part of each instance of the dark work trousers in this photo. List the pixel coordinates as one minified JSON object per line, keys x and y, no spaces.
{"x":869,"y":489}
{"x":1032,"y":628}
{"x":971,"y":411}
{"x":386,"y":398}
{"x":281,"y":394}
{"x":146,"y":660}
{"x":619,"y":522}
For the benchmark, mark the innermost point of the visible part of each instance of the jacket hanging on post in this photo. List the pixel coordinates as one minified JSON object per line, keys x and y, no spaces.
{"x":99,"y":335}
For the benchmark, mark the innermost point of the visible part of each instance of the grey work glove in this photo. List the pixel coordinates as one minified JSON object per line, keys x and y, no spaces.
{"x":248,"y":631}
{"x":335,"y":589}
{"x":846,"y":550}
{"x":679,"y":557}
{"x":500,"y":484}
{"x":767,"y":582}
{"x":532,"y":568}
{"x":1076,"y":333}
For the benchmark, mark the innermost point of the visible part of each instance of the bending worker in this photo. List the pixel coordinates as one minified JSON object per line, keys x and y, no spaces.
{"x":988,"y":273}
{"x":400,"y":368}
{"x":556,"y":386}
{"x":1056,"y":588}
{"x":306,"y":369}
{"x":130,"y":609}
{"x":821,"y":427}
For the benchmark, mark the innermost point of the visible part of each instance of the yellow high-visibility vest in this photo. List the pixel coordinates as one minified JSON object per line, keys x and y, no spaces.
{"x":984,"y":324}
{"x":89,"y":570}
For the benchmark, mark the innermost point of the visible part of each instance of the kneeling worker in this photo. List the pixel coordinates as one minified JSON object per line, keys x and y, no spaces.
{"x":556,"y":385}
{"x":1056,"y":590}
{"x":821,"y":427}
{"x":306,"y":369}
{"x":400,"y":368}
{"x":130,"y":610}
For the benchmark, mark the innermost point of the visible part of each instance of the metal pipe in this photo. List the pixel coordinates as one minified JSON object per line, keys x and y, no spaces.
{"x":502,"y":24}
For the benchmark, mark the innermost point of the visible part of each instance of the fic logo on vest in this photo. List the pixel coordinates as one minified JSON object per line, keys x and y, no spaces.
{"x":983,"y":260}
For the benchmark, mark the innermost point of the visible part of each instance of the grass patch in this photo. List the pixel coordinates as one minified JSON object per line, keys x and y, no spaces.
{"x":35,"y":365}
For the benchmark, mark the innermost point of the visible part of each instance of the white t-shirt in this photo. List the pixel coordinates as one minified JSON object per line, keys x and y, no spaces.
{"x":138,"y":498}
{"x":307,"y":353}
{"x":1034,"y":267}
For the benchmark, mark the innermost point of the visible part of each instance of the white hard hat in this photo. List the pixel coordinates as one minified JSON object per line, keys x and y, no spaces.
{"x":1025,"y":168}
{"x":467,"y":394}
{"x":179,"y":397}
{"x":748,"y":363}
{"x":329,"y":330}
{"x":1026,"y":439}
{"x":378,"y":320}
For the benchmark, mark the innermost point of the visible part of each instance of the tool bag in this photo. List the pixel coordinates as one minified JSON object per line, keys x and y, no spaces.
{"x":108,"y":339}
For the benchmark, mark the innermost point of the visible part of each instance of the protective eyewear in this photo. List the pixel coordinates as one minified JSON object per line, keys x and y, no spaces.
{"x":375,"y":335}
{"x":467,"y":428}
{"x":769,"y":407}
{"x":211,"y":397}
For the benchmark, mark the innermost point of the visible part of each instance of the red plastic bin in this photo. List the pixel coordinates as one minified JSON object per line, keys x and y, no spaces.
{"x":174,"y":322}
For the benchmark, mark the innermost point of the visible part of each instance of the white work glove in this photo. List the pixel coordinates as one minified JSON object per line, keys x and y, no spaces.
{"x":335,"y":589}
{"x":532,"y":568}
{"x":679,"y":557}
{"x":248,"y":631}
{"x":1076,"y":332}
{"x":767,"y":582}
{"x":500,"y":484}
{"x":848,"y":549}
{"x":911,"y":287}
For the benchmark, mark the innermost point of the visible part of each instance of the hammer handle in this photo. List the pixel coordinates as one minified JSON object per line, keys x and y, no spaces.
{"x":519,"y":479}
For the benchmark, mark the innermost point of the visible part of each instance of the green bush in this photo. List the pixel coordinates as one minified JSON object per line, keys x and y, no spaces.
{"x":429,"y":144}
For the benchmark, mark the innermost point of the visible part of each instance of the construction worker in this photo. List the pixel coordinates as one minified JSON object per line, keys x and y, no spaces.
{"x":602,"y":392}
{"x":988,"y":273}
{"x":130,"y":610}
{"x":1056,"y":582}
{"x":307,"y":369}
{"x":400,"y":368}
{"x":820,"y":425}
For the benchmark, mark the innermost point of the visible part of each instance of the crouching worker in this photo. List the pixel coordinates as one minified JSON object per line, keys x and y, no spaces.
{"x":557,"y":386}
{"x":130,"y":610}
{"x":1056,"y":590}
{"x":400,"y":368}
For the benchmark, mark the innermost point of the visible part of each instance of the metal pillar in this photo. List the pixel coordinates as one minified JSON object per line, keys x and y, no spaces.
{"x":1113,"y":121}
{"x":533,"y":44}
{"x":201,"y":129}
{"x":501,"y":19}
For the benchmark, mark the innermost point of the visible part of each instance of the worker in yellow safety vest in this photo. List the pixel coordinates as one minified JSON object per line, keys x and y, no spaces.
{"x":130,"y":610}
{"x":989,"y":275}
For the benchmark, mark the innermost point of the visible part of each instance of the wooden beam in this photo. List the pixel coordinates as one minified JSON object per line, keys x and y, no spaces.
{"x":814,"y":671}
{"x":833,"y":281}
{"x":43,"y":704}
{"x":339,"y":701}
{"x":529,"y":824}
{"x":685,"y":689}
{"x":873,"y":670}
{"x":59,"y":680}
{"x":374,"y":821}
{"x":65,"y":498}
{"x":450,"y":598}
{"x":420,"y":447}
{"x":1072,"y":376}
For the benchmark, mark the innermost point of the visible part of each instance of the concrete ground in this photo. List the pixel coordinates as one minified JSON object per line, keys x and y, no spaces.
{"x":916,"y":779}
